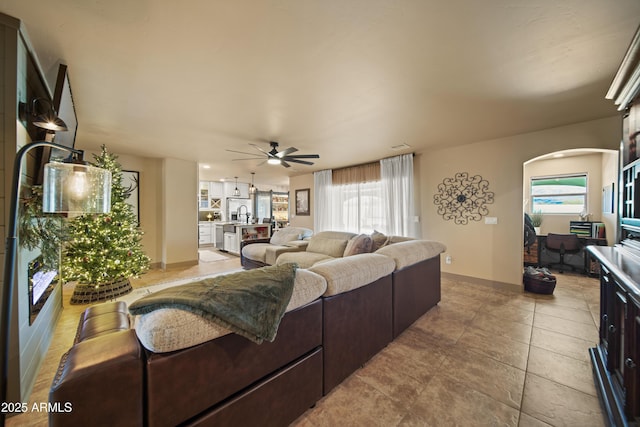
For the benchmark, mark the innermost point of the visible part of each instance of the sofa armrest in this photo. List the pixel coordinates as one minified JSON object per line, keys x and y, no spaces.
{"x":411,"y":252}
{"x":248,"y":242}
{"x":99,"y":382}
{"x":301,"y":244}
{"x":272,"y":253}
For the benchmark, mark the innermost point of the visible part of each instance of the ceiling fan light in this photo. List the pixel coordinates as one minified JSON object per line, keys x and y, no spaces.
{"x":273,"y":161}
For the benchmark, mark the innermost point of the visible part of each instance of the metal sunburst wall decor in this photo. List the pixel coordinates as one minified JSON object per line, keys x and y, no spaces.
{"x":463,"y":198}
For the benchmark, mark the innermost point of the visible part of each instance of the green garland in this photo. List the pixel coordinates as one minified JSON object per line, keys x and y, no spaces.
{"x":37,"y":229}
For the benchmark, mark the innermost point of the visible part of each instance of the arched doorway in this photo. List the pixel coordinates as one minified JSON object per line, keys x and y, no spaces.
{"x":598,"y":169}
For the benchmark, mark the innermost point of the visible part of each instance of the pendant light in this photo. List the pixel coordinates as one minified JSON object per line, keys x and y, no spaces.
{"x":236,"y":192}
{"x":252,"y":189}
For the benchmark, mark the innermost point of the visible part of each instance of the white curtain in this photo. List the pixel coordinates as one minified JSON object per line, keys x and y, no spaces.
{"x":396,"y":174}
{"x":357,"y":208}
{"x":322,"y":213}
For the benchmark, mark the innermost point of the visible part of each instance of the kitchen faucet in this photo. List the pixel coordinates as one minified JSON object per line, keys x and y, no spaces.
{"x":246,"y":213}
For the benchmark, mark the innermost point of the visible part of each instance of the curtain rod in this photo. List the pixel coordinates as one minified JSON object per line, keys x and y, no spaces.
{"x":370,"y":163}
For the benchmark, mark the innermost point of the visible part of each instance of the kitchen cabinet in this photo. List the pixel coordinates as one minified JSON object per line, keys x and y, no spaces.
{"x":229,"y":189}
{"x":205,"y":234}
{"x":231,"y":244}
{"x":210,"y":196}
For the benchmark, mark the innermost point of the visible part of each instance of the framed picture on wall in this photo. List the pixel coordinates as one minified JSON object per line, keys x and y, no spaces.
{"x":131,"y":183}
{"x":302,"y":202}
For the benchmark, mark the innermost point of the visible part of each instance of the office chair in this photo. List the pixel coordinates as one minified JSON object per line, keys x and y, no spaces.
{"x":566,"y":246}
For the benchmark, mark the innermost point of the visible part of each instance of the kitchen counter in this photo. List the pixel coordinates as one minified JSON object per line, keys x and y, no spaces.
{"x":227,"y":236}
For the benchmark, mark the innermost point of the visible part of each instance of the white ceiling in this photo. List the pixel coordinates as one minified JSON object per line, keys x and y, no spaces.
{"x":346,"y":79}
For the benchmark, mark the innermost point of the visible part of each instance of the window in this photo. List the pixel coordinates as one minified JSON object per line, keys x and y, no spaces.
{"x":361,"y":207}
{"x":362,"y":198}
{"x":562,"y":194}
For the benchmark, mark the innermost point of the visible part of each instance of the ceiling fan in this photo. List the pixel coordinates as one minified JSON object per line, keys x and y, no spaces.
{"x":275,"y":157}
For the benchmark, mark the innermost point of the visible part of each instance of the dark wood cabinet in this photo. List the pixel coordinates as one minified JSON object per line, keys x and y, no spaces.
{"x":616,"y":357}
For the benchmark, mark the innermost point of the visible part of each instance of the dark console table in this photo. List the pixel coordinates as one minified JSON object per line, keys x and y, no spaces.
{"x":616,"y":357}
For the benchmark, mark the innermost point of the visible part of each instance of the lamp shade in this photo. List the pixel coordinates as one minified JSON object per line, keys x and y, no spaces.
{"x":50,"y":122}
{"x":76,"y":188}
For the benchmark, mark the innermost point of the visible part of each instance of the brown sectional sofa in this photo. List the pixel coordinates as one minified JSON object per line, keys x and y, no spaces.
{"x":260,"y":252}
{"x":369,"y":299}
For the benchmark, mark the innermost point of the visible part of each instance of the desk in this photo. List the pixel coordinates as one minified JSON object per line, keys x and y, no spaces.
{"x":533,"y":255}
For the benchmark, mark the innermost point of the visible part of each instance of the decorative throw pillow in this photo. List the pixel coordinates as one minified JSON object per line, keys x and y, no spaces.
{"x":379,"y":240}
{"x":360,"y":244}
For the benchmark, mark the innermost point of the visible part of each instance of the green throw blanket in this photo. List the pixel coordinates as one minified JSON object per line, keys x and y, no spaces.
{"x":250,"y":303}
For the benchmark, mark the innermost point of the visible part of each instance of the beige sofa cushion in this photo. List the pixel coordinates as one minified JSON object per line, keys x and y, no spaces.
{"x":170,"y":329}
{"x":331,"y":247}
{"x":284,"y":235}
{"x":345,"y":274}
{"x":410,"y":252}
{"x":303,"y":259}
{"x":340,"y":235}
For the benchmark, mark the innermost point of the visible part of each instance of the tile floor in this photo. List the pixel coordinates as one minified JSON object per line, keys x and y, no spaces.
{"x":483,"y":357}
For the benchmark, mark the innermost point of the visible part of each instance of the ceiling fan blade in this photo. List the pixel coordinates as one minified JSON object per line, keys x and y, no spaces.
{"x":286,"y":152}
{"x":261,"y":150}
{"x":304,"y":162}
{"x":285,"y":164}
{"x":304,"y":156}
{"x":240,"y":152}
{"x":248,"y":158}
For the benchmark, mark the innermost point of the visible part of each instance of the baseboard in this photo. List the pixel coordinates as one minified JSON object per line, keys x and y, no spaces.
{"x":164,"y":266}
{"x":483,"y":282}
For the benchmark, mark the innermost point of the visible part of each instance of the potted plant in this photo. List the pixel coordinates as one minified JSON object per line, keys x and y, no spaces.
{"x":536,"y":220}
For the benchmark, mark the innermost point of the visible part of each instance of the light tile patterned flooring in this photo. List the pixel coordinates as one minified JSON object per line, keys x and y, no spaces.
{"x":484,"y":356}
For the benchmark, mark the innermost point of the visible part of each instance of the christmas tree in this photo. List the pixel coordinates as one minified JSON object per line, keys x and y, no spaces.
{"x":105,"y":249}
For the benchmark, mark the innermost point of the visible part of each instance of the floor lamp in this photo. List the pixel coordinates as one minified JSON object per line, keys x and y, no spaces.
{"x":71,"y":186}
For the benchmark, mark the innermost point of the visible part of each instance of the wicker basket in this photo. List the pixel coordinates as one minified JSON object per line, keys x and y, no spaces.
{"x":86,"y":293}
{"x":539,"y":285}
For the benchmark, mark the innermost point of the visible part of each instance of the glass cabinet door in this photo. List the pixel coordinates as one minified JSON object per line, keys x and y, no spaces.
{"x":263,"y":205}
{"x":203,"y":202}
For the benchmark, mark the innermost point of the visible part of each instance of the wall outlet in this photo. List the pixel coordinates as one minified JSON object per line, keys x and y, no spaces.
{"x":448,"y":259}
{"x":491,"y":220}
